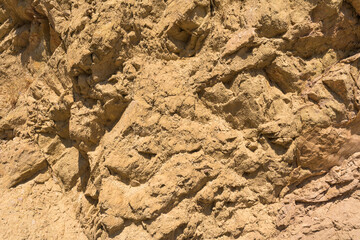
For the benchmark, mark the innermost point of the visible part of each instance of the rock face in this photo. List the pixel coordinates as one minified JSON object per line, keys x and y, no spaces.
{"x":179,"y":119}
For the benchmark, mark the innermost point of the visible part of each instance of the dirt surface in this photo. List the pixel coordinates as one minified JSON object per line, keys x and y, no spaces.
{"x":179,"y":119}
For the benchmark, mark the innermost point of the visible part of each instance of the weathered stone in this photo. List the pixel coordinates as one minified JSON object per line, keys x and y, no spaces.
{"x":240,"y":40}
{"x":20,"y":160}
{"x":179,"y":119}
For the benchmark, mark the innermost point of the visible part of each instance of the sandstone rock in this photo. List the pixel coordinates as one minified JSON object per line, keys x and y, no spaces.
{"x":162,"y":191}
{"x":40,"y":210}
{"x":179,"y":119}
{"x":312,"y":156}
{"x":273,"y":25}
{"x":339,"y":181}
{"x":240,"y":40}
{"x":285,"y":72}
{"x":21,"y":160}
{"x":66,"y":162}
{"x":355,"y":4}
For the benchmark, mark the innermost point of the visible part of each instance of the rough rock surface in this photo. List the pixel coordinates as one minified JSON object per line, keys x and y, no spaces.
{"x":179,"y":119}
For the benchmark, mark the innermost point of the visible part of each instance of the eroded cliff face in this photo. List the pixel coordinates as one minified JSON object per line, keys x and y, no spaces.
{"x":179,"y":119}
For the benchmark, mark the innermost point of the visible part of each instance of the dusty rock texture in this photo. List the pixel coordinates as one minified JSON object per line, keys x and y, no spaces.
{"x":179,"y":119}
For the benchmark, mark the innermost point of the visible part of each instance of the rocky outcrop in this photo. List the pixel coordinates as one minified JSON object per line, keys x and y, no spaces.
{"x":176,"y":119}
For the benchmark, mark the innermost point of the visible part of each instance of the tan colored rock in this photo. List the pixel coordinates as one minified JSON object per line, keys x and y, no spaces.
{"x":66,"y":162}
{"x":162,"y":191}
{"x":21,"y":160}
{"x":356,"y":5}
{"x":240,"y":40}
{"x":318,"y":149}
{"x":186,"y":25}
{"x":340,"y":81}
{"x":285,"y":72}
{"x":179,"y":119}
